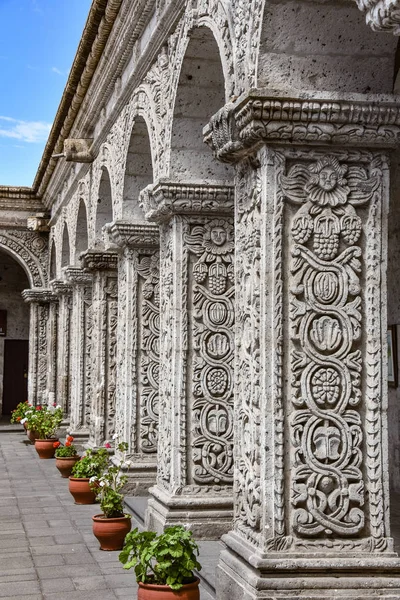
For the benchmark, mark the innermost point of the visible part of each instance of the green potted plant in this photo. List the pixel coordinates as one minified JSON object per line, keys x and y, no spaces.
{"x":92,"y":464}
{"x":163,"y":563}
{"x":19,"y":412}
{"x":45,"y":420}
{"x":111,"y":526}
{"x":66,"y":456}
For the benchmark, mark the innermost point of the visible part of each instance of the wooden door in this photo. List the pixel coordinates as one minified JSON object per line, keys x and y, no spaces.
{"x":15,"y":378}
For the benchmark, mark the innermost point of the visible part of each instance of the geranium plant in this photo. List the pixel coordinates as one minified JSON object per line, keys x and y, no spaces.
{"x":109,"y":484}
{"x":67,"y":450}
{"x":19,"y":412}
{"x":92,"y":464}
{"x":44,"y":420}
{"x":165,"y":559}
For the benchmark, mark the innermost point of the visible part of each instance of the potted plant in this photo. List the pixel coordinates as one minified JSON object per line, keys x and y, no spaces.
{"x":163,"y":563}
{"x":66,"y":456}
{"x":45,"y":420}
{"x":111,"y":526}
{"x":92,"y":464}
{"x":19,"y":412}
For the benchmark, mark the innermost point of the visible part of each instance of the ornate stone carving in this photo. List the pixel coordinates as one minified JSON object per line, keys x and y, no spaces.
{"x":382,"y":15}
{"x":31,"y":249}
{"x":93,"y":260}
{"x":63,"y":290}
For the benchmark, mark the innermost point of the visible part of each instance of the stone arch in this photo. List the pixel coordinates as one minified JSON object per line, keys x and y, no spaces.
{"x":200,"y":94}
{"x":81,"y":230}
{"x":30,"y":250}
{"x":103,"y":209}
{"x":138,"y":168}
{"x":352,"y":58}
{"x":65,"y":248}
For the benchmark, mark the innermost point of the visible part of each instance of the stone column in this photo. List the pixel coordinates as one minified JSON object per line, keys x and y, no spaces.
{"x":138,"y":349}
{"x":195,"y":454}
{"x":81,"y":349}
{"x":311,"y":514}
{"x":63,"y":291}
{"x":42,"y":344}
{"x":103,"y":267}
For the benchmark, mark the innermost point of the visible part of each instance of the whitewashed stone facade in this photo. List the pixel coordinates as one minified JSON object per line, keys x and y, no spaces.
{"x":213,"y":286}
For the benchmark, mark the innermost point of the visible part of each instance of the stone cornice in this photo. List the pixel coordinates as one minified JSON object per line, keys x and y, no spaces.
{"x":98,"y":27}
{"x":99,"y":260}
{"x":136,"y":235}
{"x":381,"y":15}
{"x":77,"y":276}
{"x":269,"y":117}
{"x":168,"y":198}
{"x":41,"y":296}
{"x":61,"y":288}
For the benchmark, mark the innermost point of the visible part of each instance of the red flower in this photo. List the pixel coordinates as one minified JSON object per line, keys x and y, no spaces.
{"x":19,"y":418}
{"x":107,"y":445}
{"x":67,"y":444}
{"x":70,"y":438}
{"x":56,"y":444}
{"x":38,"y":407}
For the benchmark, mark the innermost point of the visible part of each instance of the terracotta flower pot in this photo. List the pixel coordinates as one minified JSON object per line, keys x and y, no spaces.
{"x":80,"y":489}
{"x":32,"y":435}
{"x":65,"y":463}
{"x":45,"y":448}
{"x":111,"y":532}
{"x":150,"y":591}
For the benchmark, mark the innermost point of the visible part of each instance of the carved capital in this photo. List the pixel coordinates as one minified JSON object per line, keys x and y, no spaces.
{"x":136,"y":235}
{"x":60,"y":288}
{"x":169,"y":198}
{"x":41,"y":296}
{"x":97,"y":260}
{"x":76,"y":275}
{"x":356,"y":120}
{"x":381,"y":15}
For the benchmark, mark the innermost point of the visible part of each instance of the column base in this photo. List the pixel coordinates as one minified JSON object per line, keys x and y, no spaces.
{"x":242,"y":574}
{"x":207,"y":516}
{"x":141,"y":477}
{"x":80,"y":436}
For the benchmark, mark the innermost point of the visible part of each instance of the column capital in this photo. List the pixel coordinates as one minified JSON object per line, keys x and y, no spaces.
{"x":99,"y":260}
{"x":168,"y":198}
{"x":381,"y":15}
{"x":76,"y":275}
{"x":61,"y":288}
{"x":135,"y":235}
{"x":39,"y":295}
{"x":267,"y":116}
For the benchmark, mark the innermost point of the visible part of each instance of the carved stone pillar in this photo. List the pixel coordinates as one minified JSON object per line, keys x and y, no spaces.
{"x":42,"y":345}
{"x":103,"y":267}
{"x":138,"y":349}
{"x":311,"y":515}
{"x":81,"y":350}
{"x":195,"y":454}
{"x":63,"y":291}
{"x":382,"y":15}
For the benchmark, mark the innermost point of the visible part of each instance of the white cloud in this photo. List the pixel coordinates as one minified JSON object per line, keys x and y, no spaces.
{"x":25,"y":131}
{"x":58,"y":71}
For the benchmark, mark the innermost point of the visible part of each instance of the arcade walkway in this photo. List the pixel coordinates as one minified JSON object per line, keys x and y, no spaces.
{"x":47,"y":549}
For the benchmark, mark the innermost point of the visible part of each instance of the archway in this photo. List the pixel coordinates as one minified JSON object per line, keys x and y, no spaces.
{"x":104,"y":209}
{"x":65,"y":250}
{"x":53,"y":262}
{"x":200,"y":94}
{"x":81,"y":235}
{"x":14,"y":334}
{"x":138,"y":170}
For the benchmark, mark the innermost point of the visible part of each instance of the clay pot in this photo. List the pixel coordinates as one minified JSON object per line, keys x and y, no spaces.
{"x":32,"y":435}
{"x":65,"y":463}
{"x":111,"y":532}
{"x":150,"y":591}
{"x":80,"y":489}
{"x":45,"y":448}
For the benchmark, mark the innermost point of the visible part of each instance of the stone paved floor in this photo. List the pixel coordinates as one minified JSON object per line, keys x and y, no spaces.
{"x":47,"y":549}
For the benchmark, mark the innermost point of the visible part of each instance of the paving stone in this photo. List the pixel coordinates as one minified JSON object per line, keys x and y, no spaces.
{"x":10,"y":590}
{"x":61,"y":584}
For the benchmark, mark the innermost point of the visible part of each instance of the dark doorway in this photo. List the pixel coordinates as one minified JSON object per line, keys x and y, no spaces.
{"x":15,"y":380}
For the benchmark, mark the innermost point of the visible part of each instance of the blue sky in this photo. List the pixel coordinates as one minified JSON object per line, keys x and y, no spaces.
{"x":38,"y":42}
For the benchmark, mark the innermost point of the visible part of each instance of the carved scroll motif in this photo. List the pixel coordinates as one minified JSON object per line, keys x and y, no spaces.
{"x":86,"y":349}
{"x":148,"y":269}
{"x":213,"y":345}
{"x":111,"y":305}
{"x":326,"y":322}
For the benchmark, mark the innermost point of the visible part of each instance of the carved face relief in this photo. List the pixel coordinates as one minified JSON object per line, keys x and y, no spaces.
{"x":327,"y":178}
